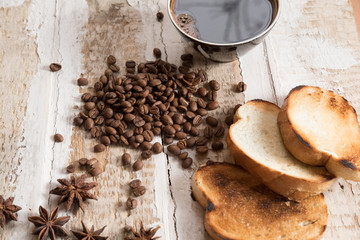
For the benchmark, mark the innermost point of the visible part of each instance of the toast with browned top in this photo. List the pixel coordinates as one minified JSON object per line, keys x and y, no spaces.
{"x":239,"y":207}
{"x":321,"y":128}
{"x":256,"y":144}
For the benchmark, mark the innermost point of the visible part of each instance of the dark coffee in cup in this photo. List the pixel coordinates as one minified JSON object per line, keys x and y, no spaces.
{"x":223,"y":21}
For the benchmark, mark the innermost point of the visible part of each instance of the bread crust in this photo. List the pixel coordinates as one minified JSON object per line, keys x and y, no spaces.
{"x":268,"y":214}
{"x":340,"y":162}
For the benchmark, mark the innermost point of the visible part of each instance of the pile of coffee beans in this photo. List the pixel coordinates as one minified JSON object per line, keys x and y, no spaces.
{"x":151,"y":99}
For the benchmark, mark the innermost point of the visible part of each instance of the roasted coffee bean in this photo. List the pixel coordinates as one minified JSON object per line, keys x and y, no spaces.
{"x":108,"y":113}
{"x":128,"y":133}
{"x":99,"y":147}
{"x":183,"y":155}
{"x":129,"y":117}
{"x":98,"y":86}
{"x":202,"y":112}
{"x":135,"y":183}
{"x":214,"y":85}
{"x":194,"y":131}
{"x":157,"y":52}
{"x":126,"y":159}
{"x":78,"y":121}
{"x":138,"y":122}
{"x":183,"y":69}
{"x":187,"y":163}
{"x":86,"y":97}
{"x":138,"y":165}
{"x":82,"y":82}
{"x":114,"y":68}
{"x":190,"y":115}
{"x":212,"y":121}
{"x":178,"y":118}
{"x":89,"y":124}
{"x":174,"y":149}
{"x":58,"y":138}
{"x":167,"y":120}
{"x":201,"y":103}
{"x":181,"y":144}
{"x":146,"y":154}
{"x":111,"y":60}
{"x":95,"y":132}
{"x":187,"y":127}
{"x":89,"y":105}
{"x":83,"y":161}
{"x":197,"y":120}
{"x":241,"y":87}
{"x":208,"y":132}
{"x":180,"y":135}
{"x":131,"y":203}
{"x":110,"y":130}
{"x":217,"y":145}
{"x":139,"y":138}
{"x":219,"y":131}
{"x":187,"y":57}
{"x":124,"y":141}
{"x":155,"y":82}
{"x":159,"y":16}
{"x":157,"y":148}
{"x":105,"y":140}
{"x":212,"y":105}
{"x":99,"y":120}
{"x":168,"y":140}
{"x":202,"y":149}
{"x":202,"y":92}
{"x":139,"y":191}
{"x":201,"y":141}
{"x":156,"y":131}
{"x":158,"y":124}
{"x":148,"y":135}
{"x":229,"y":120}
{"x":177,"y":127}
{"x":70,"y":168}
{"x":114,"y":138}
{"x":145,"y":146}
{"x":190,"y":142}
{"x":212,"y":95}
{"x":130,"y":64}
{"x":193,"y":106}
{"x":93,"y":113}
{"x":54,"y":67}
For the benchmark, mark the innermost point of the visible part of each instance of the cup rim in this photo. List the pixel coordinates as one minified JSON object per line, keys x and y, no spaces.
{"x":225,"y":44}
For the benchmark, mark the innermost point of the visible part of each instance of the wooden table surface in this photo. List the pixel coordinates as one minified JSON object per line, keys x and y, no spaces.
{"x":315,"y":42}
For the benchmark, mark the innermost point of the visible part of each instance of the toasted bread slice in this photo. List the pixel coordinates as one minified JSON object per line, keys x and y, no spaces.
{"x":320,"y":127}
{"x":238,"y":206}
{"x":255,"y":142}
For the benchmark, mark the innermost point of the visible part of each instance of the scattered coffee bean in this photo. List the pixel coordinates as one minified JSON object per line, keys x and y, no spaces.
{"x":212,"y":95}
{"x":168,"y":140}
{"x":159,"y":16}
{"x":54,"y":67}
{"x":202,"y":149}
{"x":212,"y":105}
{"x":212,"y":121}
{"x":229,"y":120}
{"x":190,"y":142}
{"x":70,"y":168}
{"x":187,"y":57}
{"x":157,"y":148}
{"x":214,"y":85}
{"x":58,"y":138}
{"x":219,"y":131}
{"x":201,"y":141}
{"x":138,"y":165}
{"x":82,"y":81}
{"x":217,"y":145}
{"x":181,"y":144}
{"x":145,"y":146}
{"x":183,"y":155}
{"x":180,"y":135}
{"x":241,"y":87}
{"x":202,"y":92}
{"x":157,"y":52}
{"x":78,"y":121}
{"x":99,"y":148}
{"x":174,"y":149}
{"x":135,"y":183}
{"x":146,"y":154}
{"x":131,"y":203}
{"x":187,"y":163}
{"x":83,"y":161}
{"x":105,"y":140}
{"x":139,"y":191}
{"x":111,"y":60}
{"x":208,"y":132}
{"x":197,"y":120}
{"x":126,"y":159}
{"x":94,"y":167}
{"x":89,"y":124}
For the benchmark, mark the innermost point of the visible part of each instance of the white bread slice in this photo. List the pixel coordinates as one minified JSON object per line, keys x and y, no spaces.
{"x":239,"y":207}
{"x":255,"y":143}
{"x":320,"y":127}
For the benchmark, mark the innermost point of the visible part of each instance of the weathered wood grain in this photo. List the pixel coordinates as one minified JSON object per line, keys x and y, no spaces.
{"x":356,"y":7}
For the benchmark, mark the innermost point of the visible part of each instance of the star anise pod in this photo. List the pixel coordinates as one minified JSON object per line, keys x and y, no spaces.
{"x":49,"y":226}
{"x":7,"y":210}
{"x":143,"y":234}
{"x":87,"y":234}
{"x":74,"y":190}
